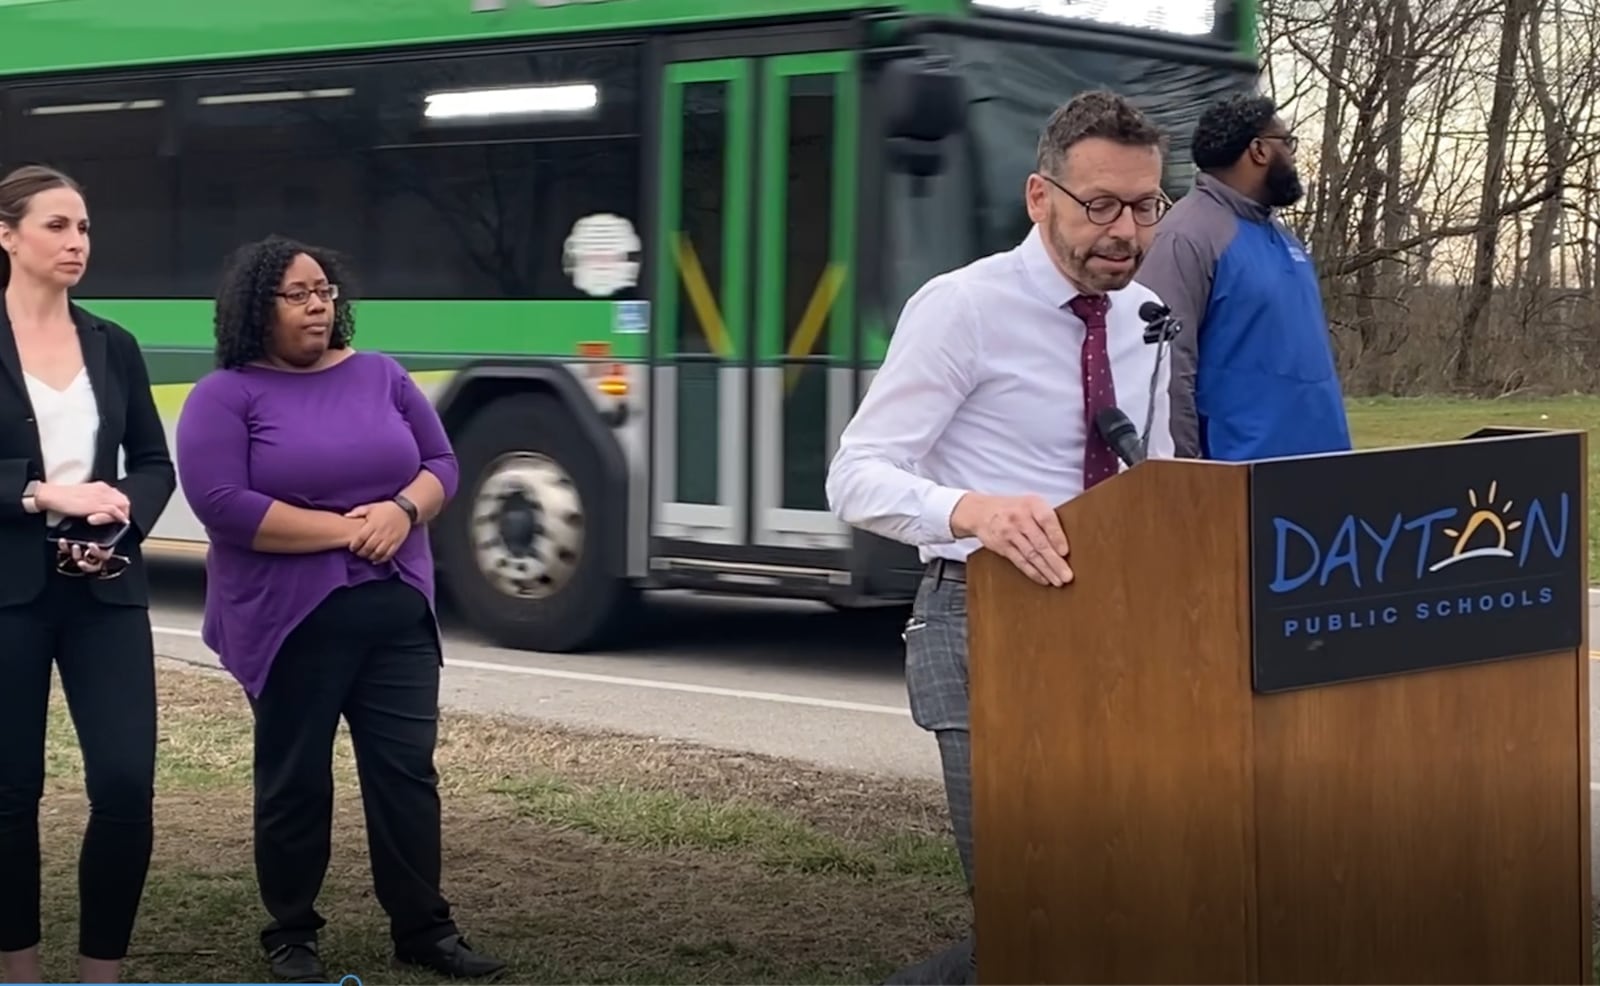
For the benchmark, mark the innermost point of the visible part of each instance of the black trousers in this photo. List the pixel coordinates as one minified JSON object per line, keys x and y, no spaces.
{"x":107,"y":665}
{"x":370,"y":654}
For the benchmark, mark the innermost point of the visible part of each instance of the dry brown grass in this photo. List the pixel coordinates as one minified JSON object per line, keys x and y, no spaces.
{"x":1407,"y":341}
{"x":580,"y":858}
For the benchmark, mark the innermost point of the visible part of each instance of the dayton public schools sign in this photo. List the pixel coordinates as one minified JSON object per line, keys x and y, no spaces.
{"x":1405,"y":559}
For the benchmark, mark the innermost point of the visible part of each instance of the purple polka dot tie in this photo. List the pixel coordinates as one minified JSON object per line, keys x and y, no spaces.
{"x":1099,"y":390}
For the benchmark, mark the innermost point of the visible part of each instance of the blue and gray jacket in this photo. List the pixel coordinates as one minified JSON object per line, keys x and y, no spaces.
{"x":1253,"y":374}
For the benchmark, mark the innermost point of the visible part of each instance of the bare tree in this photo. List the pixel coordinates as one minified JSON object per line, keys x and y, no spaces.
{"x":1486,"y":239}
{"x":1451,"y":203}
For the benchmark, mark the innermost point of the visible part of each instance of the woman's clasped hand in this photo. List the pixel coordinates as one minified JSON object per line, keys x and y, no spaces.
{"x":384,"y":526}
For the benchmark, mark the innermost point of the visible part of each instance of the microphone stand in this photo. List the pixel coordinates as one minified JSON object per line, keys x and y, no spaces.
{"x":1159,"y":330}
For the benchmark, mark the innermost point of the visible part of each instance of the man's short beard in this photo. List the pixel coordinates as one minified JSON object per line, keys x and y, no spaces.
{"x":1283,"y":184}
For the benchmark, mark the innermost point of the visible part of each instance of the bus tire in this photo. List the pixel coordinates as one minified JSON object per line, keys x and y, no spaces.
{"x":525,"y":544}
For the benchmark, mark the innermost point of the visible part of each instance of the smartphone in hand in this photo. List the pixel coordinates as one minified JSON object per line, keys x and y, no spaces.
{"x":78,"y":530}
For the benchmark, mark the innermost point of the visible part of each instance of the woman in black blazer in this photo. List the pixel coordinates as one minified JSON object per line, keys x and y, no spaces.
{"x":73,"y":392}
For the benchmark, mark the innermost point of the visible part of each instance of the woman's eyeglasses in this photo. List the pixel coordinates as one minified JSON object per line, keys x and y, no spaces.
{"x":299,"y":296}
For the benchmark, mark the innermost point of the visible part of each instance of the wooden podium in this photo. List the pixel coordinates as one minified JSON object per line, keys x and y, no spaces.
{"x":1309,"y":720}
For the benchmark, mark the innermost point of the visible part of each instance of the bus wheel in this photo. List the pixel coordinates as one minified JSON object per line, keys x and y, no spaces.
{"x":521,"y":544}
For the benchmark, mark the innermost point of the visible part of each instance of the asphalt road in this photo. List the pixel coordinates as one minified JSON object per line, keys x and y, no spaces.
{"x":788,"y":679}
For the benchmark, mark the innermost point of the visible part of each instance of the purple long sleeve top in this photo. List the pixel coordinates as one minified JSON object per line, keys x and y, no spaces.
{"x":358,"y":432}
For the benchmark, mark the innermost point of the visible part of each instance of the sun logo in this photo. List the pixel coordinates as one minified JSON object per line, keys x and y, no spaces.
{"x":1486,"y":514}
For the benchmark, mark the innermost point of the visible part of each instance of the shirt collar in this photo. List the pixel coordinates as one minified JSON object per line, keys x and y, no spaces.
{"x":1047,"y":280}
{"x":1241,"y":204}
{"x":1041,"y":270}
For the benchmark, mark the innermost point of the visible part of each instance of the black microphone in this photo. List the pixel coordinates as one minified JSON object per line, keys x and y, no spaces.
{"x":1120,"y":434}
{"x":1159,"y":325}
{"x":1153,"y":311}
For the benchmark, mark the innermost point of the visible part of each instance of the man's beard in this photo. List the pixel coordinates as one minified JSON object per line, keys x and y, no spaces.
{"x":1077,"y":261}
{"x":1283,"y":184}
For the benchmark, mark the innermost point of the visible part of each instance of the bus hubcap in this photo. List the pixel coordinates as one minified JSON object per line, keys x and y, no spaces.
{"x":527,"y":525}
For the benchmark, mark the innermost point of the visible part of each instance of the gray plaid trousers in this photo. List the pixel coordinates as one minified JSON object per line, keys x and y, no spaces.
{"x":936,"y":685}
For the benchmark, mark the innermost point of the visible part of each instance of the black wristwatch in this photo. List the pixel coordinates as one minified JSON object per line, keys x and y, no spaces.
{"x":409,"y":507}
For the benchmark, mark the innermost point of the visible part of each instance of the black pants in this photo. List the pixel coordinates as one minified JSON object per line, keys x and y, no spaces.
{"x":107,"y":665}
{"x":370,"y":654}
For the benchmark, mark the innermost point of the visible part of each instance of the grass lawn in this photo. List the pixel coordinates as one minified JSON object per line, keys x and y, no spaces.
{"x":577,"y":858}
{"x":1404,"y":421}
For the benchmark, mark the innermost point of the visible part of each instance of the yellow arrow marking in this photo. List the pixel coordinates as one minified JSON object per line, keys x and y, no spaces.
{"x":812,"y":321}
{"x":701,"y":299}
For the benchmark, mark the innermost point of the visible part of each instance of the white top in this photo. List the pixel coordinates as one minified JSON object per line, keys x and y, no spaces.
{"x":69,"y":424}
{"x":981,"y":390}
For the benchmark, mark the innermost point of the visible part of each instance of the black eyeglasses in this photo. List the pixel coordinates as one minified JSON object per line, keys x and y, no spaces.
{"x":111,"y":568}
{"x":1289,"y":140}
{"x":1103,"y":210}
{"x":300,"y":296}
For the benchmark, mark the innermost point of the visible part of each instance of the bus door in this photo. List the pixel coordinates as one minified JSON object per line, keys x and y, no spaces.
{"x":755,"y":308}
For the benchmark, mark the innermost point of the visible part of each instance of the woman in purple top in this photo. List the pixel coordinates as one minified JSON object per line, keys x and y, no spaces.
{"x":315,"y":470}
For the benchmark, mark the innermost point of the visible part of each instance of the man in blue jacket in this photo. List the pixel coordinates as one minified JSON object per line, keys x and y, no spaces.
{"x":1253,"y":372}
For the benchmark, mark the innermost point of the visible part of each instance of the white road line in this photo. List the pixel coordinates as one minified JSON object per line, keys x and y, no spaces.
{"x":668,"y":686}
{"x":650,"y":683}
{"x":674,"y":686}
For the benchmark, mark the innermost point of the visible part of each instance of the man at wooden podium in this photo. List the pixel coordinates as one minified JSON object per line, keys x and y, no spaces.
{"x":982,"y":418}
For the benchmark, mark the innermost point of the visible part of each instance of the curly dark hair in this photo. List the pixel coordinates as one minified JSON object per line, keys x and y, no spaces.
{"x":248,"y":296}
{"x":1096,"y":113}
{"x":1224,"y":131}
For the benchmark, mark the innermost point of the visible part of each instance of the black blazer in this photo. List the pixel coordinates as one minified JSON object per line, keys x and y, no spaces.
{"x":128,"y":421}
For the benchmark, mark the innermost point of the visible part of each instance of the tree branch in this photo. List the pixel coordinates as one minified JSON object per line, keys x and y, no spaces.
{"x":1366,"y":258}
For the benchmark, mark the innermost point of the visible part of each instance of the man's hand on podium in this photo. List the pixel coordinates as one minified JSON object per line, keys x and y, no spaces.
{"x":1023,"y":528}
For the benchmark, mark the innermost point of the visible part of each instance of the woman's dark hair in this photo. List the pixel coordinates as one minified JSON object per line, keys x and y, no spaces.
{"x":248,"y":297}
{"x":17,"y":190}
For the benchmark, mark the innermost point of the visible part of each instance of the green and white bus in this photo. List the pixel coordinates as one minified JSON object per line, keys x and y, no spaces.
{"x":644,"y":254}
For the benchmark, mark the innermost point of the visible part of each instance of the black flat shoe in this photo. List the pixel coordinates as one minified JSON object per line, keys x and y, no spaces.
{"x":957,"y":965}
{"x":297,"y":962}
{"x":452,"y":957}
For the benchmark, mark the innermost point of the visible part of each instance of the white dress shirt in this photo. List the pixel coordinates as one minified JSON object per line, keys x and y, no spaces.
{"x":982,"y":391}
{"x":69,"y":424}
